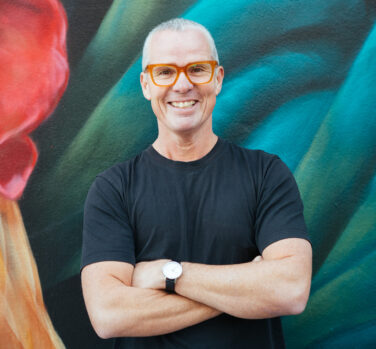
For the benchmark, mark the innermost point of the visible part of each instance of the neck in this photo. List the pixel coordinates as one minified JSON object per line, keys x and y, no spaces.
{"x":188,"y":147}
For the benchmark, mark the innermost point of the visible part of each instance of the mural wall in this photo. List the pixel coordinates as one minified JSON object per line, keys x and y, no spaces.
{"x":33,"y":76}
{"x":300,"y":82}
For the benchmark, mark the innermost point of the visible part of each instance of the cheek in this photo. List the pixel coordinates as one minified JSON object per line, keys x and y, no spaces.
{"x":158,"y":106}
{"x":158,"y":96}
{"x":155,"y":106}
{"x":210,"y":98}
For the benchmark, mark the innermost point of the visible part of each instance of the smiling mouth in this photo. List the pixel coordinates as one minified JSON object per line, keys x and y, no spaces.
{"x":185,"y":104}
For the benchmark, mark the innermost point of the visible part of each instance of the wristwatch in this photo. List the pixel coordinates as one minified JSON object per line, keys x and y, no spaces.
{"x":171,"y":271}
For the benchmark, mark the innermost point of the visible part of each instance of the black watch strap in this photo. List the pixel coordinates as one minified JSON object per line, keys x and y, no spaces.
{"x":170,"y":285}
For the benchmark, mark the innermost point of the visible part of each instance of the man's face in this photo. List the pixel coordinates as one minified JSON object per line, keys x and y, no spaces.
{"x":183,"y":107}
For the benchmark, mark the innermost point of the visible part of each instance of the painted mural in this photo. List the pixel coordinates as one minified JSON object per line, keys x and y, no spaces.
{"x":300,"y":82}
{"x":33,"y":76}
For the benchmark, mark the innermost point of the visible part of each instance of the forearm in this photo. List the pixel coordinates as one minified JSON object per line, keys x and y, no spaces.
{"x":126,"y":311}
{"x":275,"y":284}
{"x":254,"y":290}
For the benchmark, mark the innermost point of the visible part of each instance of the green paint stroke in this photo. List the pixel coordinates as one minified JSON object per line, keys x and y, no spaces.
{"x":340,"y":304}
{"x":343,"y":291}
{"x":119,"y":128}
{"x":335,"y":172}
{"x":113,"y":50}
{"x":357,"y":240}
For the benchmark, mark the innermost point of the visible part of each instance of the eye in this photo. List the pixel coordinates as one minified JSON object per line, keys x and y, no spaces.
{"x":196,"y":68}
{"x":163,"y":72}
{"x":199,"y":68}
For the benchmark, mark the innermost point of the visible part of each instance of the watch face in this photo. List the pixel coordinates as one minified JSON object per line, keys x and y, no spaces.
{"x":172,"y":270}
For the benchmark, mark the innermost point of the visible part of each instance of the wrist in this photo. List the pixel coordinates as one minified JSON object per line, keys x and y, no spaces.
{"x":171,"y":271}
{"x":179,"y":284}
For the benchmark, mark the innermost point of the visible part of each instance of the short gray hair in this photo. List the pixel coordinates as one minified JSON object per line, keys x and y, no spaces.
{"x":177,"y":24}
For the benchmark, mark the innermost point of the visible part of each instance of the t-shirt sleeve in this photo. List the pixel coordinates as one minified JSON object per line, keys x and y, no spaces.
{"x":107,"y":233}
{"x":279,"y":209}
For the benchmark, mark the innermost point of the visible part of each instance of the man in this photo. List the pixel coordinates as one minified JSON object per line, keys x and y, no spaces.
{"x":231,"y":216}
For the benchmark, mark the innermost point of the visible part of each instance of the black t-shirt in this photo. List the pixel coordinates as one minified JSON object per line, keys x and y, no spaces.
{"x":224,"y":208}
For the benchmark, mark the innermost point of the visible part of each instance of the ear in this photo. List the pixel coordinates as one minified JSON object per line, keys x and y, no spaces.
{"x":219,"y":79}
{"x":145,"y":85}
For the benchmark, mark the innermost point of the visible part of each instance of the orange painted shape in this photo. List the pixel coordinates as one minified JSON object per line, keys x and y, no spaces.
{"x":24,"y":321}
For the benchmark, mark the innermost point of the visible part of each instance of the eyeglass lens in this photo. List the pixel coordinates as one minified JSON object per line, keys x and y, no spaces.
{"x":197,"y":73}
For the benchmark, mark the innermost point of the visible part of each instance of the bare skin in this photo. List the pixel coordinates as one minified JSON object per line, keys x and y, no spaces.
{"x":118,"y":309}
{"x":275,"y":284}
{"x":127,"y":301}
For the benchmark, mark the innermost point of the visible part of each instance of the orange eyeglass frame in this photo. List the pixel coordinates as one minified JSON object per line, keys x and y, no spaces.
{"x":150,"y":68}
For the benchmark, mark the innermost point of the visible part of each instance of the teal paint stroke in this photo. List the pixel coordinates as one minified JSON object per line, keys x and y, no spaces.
{"x":245,"y":30}
{"x":261,"y":89}
{"x":363,"y":336}
{"x":290,"y":130}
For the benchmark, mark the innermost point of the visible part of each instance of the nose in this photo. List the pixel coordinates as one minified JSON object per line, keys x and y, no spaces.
{"x":182,"y":84}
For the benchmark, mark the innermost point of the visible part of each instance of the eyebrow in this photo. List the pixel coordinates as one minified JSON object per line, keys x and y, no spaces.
{"x":203,"y":60}
{"x":169,"y":64}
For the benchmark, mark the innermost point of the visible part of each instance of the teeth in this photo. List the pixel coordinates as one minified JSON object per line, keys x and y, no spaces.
{"x":183,"y":104}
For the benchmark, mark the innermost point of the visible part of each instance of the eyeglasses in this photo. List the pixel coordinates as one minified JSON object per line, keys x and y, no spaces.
{"x":197,"y":73}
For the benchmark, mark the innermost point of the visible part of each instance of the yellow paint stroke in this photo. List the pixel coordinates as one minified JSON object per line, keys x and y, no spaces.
{"x":24,"y":321}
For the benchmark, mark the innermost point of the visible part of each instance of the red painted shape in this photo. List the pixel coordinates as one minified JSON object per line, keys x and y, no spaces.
{"x":33,"y":76}
{"x":17,"y":158}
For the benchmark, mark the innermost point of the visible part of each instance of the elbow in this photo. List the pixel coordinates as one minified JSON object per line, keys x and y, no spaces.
{"x":105,"y":331}
{"x":102,"y":326}
{"x":296,"y":307}
{"x":106,"y":327}
{"x":102,"y":332}
{"x":298,"y":298}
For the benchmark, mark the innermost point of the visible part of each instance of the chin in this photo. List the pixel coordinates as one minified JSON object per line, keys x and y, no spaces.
{"x":183,"y":124}
{"x":187,"y":126}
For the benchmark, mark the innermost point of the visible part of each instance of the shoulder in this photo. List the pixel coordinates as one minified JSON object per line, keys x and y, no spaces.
{"x":119,"y":174}
{"x":265,"y":169}
{"x":257,"y":159}
{"x":115,"y":180}
{"x":252,"y":153}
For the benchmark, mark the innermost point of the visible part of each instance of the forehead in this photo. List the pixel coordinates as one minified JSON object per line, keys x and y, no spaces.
{"x":179,"y":47}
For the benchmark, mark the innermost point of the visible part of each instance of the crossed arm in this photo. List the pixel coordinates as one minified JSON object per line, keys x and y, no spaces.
{"x":123,"y":300}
